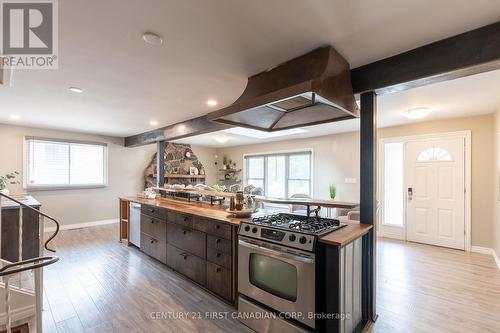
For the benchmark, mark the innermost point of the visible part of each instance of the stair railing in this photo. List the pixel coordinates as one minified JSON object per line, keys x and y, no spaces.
{"x":35,"y":264}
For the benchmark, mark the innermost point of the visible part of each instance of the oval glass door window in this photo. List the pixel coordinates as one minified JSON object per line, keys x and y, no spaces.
{"x":434,"y":155}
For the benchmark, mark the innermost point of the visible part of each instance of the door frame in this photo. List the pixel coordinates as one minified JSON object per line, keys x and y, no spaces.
{"x":391,"y":231}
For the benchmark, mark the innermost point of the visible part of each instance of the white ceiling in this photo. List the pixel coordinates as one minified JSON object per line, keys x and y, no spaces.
{"x":472,"y":95}
{"x":210,"y":49}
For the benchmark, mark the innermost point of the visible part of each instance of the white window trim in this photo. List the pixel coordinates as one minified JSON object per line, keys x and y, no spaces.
{"x":26,"y":186}
{"x":391,"y":231}
{"x":277,"y":152}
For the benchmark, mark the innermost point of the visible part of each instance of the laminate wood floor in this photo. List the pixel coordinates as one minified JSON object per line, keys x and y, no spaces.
{"x":99,"y":285}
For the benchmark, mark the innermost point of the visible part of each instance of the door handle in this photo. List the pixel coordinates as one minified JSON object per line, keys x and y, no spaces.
{"x":410,"y":193}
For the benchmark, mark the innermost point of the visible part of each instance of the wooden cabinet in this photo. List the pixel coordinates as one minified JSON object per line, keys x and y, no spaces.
{"x":154,"y":247}
{"x":187,"y":239}
{"x":197,"y":247}
{"x":187,"y":264}
{"x":10,"y":233}
{"x":154,"y":227}
{"x":219,"y":280}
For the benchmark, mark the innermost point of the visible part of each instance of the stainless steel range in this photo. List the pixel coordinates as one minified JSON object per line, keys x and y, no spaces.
{"x":277,"y":269}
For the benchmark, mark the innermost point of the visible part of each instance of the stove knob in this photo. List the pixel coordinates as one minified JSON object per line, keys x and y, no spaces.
{"x":254,"y":230}
{"x":292,"y":238}
{"x":247,"y":228}
{"x":302,"y":240}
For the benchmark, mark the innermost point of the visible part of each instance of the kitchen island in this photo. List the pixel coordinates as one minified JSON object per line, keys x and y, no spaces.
{"x":200,"y":241}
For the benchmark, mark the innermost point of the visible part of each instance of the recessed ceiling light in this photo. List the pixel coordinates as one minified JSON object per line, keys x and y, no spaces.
{"x":418,"y":113}
{"x":222,"y":139}
{"x":14,"y":117}
{"x":76,"y":89}
{"x":211,"y":102}
{"x":152,"y":38}
{"x":153,"y":123}
{"x":262,"y":134}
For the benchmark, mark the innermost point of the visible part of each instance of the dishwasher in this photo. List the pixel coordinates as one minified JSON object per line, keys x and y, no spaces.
{"x":135,"y":224}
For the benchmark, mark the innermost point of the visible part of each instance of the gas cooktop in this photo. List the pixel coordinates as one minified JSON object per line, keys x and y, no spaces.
{"x":297,"y":231}
{"x":303,"y":224}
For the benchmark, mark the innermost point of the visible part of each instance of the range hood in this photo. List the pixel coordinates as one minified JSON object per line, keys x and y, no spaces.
{"x":312,"y":89}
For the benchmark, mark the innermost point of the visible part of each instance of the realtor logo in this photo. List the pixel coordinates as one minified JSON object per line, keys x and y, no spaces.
{"x":29,"y":34}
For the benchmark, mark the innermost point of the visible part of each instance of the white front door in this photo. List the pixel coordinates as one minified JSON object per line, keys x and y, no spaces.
{"x":435,"y":197}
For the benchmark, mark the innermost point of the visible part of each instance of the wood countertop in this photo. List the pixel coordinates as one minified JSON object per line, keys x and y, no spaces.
{"x":345,"y":235}
{"x":28,"y":200}
{"x":340,"y":237}
{"x":194,"y":207}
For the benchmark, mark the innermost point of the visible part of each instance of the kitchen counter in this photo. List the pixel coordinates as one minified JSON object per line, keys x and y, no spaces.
{"x":28,"y":200}
{"x":340,"y":237}
{"x":194,"y":207}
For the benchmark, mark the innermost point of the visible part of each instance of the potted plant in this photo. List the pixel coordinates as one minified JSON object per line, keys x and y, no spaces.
{"x":224,"y":162}
{"x":333,"y":191}
{"x":9,"y":178}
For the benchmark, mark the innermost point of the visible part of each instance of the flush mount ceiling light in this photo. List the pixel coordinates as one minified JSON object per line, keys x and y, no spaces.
{"x":152,"y":38}
{"x":14,"y":117}
{"x":222,"y":139}
{"x":211,"y":102}
{"x":153,"y":123}
{"x":76,"y":89}
{"x":418,"y":113}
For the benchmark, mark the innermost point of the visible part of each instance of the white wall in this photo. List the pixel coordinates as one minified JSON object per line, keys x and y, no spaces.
{"x":125,"y":176}
{"x":335,"y":157}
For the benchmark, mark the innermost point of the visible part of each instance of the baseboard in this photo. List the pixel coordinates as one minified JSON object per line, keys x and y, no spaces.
{"x":82,"y":225}
{"x":487,"y":250}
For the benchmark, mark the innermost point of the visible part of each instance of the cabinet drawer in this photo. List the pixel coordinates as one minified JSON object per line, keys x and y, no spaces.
{"x":154,"y":247}
{"x":219,"y":243}
{"x":187,"y":264}
{"x":154,"y":211}
{"x":187,"y":239}
{"x":219,"y":229}
{"x":179,"y":218}
{"x":219,"y":257}
{"x":219,"y":280}
{"x":154,"y":227}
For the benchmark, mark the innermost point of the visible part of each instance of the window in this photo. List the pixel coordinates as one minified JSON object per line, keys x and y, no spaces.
{"x":393,"y":208}
{"x":434,"y":155}
{"x":280,"y":175}
{"x":64,"y":164}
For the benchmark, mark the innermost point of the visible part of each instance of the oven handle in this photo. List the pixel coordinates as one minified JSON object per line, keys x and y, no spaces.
{"x":276,"y":253}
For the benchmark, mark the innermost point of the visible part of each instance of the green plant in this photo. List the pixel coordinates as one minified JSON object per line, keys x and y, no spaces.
{"x":224,"y":160}
{"x":9,"y":178}
{"x":219,"y":188}
{"x":333,"y":191}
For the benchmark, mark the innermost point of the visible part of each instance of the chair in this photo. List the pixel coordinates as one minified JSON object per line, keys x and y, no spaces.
{"x":299,"y":209}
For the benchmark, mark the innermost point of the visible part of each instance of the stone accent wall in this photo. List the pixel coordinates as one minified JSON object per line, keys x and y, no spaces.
{"x":176,"y":162}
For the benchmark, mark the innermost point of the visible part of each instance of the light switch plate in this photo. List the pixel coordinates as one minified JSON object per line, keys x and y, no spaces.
{"x":350,"y":180}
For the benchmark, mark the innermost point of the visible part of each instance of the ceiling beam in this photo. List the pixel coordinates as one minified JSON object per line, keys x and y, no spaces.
{"x":472,"y":52}
{"x":191,"y":127}
{"x":466,"y":54}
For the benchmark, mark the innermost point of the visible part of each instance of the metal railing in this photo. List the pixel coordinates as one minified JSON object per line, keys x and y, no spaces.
{"x":34,"y":264}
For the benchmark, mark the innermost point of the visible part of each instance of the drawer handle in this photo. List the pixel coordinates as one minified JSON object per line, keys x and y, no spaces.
{"x":152,"y":221}
{"x":152,"y":210}
{"x":218,"y":255}
{"x":217,"y":226}
{"x":152,"y":240}
{"x":185,"y":231}
{"x":184,"y":256}
{"x":217,"y":270}
{"x":217,"y":240}
{"x":185,"y":219}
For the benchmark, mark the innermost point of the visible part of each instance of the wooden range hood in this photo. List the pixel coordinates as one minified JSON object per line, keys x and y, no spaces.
{"x":312,"y":89}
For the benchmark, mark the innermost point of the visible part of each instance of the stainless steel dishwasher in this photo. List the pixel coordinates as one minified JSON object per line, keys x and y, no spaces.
{"x":135,"y":224}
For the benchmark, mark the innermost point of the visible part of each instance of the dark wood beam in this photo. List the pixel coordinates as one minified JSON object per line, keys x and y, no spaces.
{"x":368,"y":199}
{"x":160,"y":163}
{"x":466,"y":54}
{"x":191,"y":127}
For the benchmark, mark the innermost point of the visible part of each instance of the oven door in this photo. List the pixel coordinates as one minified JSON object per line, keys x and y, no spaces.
{"x":281,"y":278}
